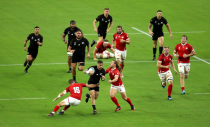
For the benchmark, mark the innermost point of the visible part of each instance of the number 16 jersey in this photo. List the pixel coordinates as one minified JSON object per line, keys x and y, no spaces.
{"x":76,"y":90}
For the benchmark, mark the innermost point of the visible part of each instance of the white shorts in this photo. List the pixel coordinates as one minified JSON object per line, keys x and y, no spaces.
{"x":99,"y":54}
{"x":164,"y":75}
{"x":72,"y":101}
{"x":118,"y":88}
{"x":120,"y":54}
{"x":184,"y":67}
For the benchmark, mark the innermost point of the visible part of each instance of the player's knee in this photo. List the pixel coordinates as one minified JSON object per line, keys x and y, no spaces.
{"x":186,"y":75}
{"x":170,"y":82}
{"x":112,"y":95}
{"x":105,"y":56}
{"x":111,"y":55}
{"x":182,"y":75}
{"x":125,"y":98}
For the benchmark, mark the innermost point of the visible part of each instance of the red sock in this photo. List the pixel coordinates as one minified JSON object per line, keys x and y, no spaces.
{"x":115,"y":101}
{"x":56,"y":108}
{"x":66,"y":107}
{"x":170,"y":89}
{"x":122,"y":66}
{"x":182,"y":88}
{"x":129,"y":101}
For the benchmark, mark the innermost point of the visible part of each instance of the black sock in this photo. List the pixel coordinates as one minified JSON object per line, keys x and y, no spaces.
{"x":29,"y":64}
{"x":69,"y":68}
{"x":154,"y":52}
{"x":169,"y":96}
{"x":74,"y":78}
{"x":160,"y":50}
{"x":94,"y":107}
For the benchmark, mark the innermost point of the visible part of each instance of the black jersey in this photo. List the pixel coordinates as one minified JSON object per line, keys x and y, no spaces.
{"x":158,"y":24}
{"x":103,"y":21}
{"x":33,"y":41}
{"x":79,"y":46}
{"x":94,"y":79}
{"x":71,"y":33}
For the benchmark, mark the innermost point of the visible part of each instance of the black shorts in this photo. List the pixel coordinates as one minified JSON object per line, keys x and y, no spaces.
{"x":157,"y":35}
{"x":33,"y":53}
{"x":102,"y":32}
{"x":76,"y":59}
{"x":94,"y":88}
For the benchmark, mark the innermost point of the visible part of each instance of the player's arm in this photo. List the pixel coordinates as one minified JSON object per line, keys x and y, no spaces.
{"x":60,"y":95}
{"x":169,"y":30}
{"x":172,"y":65}
{"x":94,"y":54}
{"x":69,"y":49}
{"x":110,"y":26}
{"x":189,"y":55}
{"x":88,"y":47}
{"x":63,"y":38}
{"x":94,"y":24}
{"x":149,"y":28}
{"x":174,"y":53}
{"x":113,"y":41}
{"x":112,"y":50}
{"x":115,"y":79}
{"x":25,"y":42}
{"x":159,"y":65}
{"x":125,"y":41}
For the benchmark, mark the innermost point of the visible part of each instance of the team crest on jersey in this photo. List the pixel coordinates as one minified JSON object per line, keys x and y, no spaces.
{"x":83,"y":42}
{"x":75,"y":43}
{"x":161,"y":22}
{"x":109,"y":20}
{"x":38,"y":39}
{"x":155,"y":21}
{"x":78,"y":44}
{"x":186,"y":48}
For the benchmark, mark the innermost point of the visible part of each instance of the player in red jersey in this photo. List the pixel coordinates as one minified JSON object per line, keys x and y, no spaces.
{"x":121,"y":39}
{"x":164,"y":62}
{"x":117,"y":85}
{"x":76,"y":92}
{"x":101,"y":50}
{"x":185,"y":51}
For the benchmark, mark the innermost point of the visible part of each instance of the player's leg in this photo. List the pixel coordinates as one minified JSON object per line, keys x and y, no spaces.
{"x":117,"y":56}
{"x":169,"y":78}
{"x":111,"y":55}
{"x":187,"y":70}
{"x":81,"y":66}
{"x":124,"y":96}
{"x":62,"y":103}
{"x":181,"y":71}
{"x":113,"y":91}
{"x":161,"y":40}
{"x":100,"y":38}
{"x":122,"y":63}
{"x":31,"y":59}
{"x":92,"y":94}
{"x":163,"y":79}
{"x":154,"y":39}
{"x":74,"y":65}
{"x":69,"y":63}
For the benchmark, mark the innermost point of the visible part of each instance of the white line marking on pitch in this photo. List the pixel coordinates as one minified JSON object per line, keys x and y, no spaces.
{"x":22,"y":99}
{"x":151,"y":36}
{"x":201,"y":93}
{"x":86,"y":63}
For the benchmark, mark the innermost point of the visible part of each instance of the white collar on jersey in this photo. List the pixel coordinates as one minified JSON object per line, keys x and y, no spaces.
{"x":113,"y":68}
{"x":183,"y":44}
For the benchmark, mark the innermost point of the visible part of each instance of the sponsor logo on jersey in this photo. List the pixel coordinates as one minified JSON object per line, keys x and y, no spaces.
{"x":105,"y":21}
{"x":78,"y":44}
{"x":102,"y":19}
{"x":161,"y":22}
{"x":75,"y":43}
{"x":68,"y":32}
{"x":38,"y":39}
{"x":83,"y":42}
{"x":100,"y":73}
{"x":32,"y":37}
{"x":109,"y":20}
{"x":155,"y":21}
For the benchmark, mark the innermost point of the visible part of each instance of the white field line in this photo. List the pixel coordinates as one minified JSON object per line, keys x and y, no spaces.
{"x":164,"y":32}
{"x":1,"y":65}
{"x":201,"y":93}
{"x":151,"y":36}
{"x":23,"y":99}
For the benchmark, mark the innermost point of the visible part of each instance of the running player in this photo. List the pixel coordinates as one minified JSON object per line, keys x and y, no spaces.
{"x":36,"y":40}
{"x":164,"y":62}
{"x":185,"y":51}
{"x":77,"y":47}
{"x":94,"y":79}
{"x":71,"y":35}
{"x":104,"y":20}
{"x":121,"y":39}
{"x":101,"y":50}
{"x":117,"y":85}
{"x":75,"y":90}
{"x":157,"y":32}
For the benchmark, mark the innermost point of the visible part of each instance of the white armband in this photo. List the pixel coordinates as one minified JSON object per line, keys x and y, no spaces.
{"x":64,"y":92}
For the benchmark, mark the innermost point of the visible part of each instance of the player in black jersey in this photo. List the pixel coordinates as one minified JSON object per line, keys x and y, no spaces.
{"x":36,"y":40}
{"x":157,"y":32}
{"x":71,"y":35}
{"x":94,"y":79}
{"x":77,"y":47}
{"x":104,"y":20}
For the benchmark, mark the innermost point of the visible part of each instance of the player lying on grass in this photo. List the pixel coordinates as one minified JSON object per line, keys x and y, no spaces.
{"x":75,"y":90}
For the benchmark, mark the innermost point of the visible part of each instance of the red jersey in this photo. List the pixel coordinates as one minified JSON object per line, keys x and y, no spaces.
{"x":183,"y":49}
{"x":76,"y":90}
{"x":112,"y":73}
{"x":101,"y":47}
{"x":119,"y":45}
{"x":165,"y":60}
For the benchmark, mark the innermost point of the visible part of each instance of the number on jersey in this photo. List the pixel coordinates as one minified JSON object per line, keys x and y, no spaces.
{"x":76,"y":90}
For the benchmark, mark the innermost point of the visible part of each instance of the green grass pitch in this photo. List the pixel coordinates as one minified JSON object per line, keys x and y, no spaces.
{"x":46,"y":81}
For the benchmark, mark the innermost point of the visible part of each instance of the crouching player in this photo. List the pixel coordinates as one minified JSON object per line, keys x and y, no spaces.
{"x":75,"y":90}
{"x":101,"y":50}
{"x":164,"y":62}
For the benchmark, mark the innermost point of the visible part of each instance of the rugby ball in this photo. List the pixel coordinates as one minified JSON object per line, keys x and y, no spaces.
{"x":92,"y":70}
